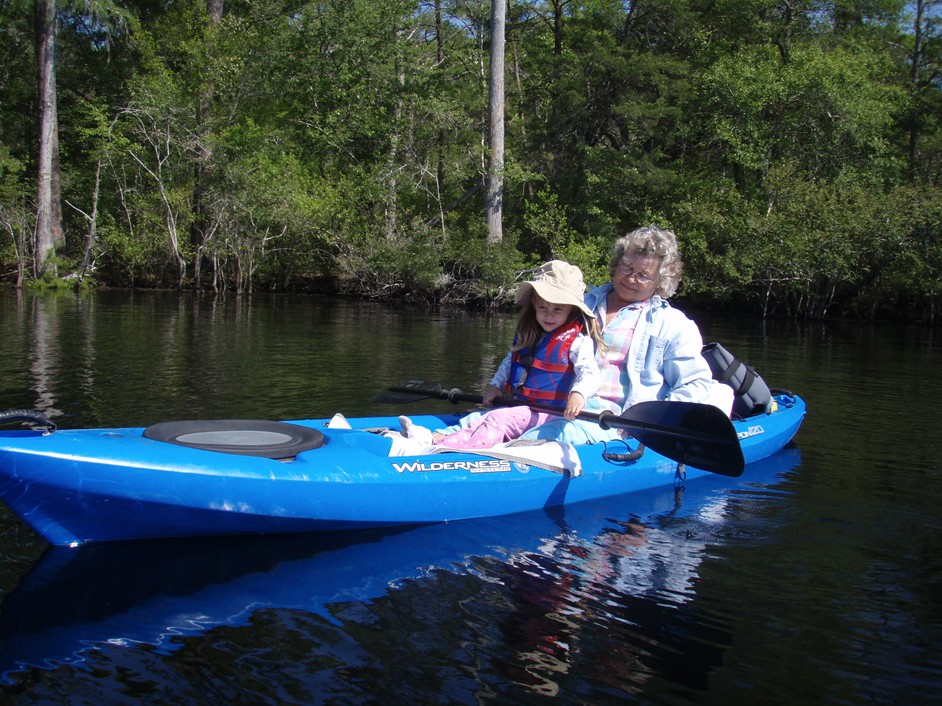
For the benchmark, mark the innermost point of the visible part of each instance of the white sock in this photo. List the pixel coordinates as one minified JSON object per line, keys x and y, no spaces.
{"x":338,"y":421}
{"x":414,"y":431}
{"x":403,"y":446}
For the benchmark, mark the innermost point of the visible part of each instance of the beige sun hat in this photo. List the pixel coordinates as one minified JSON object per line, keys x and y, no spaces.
{"x":557,"y":282}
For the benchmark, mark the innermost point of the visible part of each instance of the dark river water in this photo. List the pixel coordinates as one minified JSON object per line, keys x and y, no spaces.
{"x":814,"y":578}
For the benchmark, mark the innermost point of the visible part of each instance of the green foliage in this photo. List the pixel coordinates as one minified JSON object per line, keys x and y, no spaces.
{"x":795,"y":148}
{"x":482,"y":272}
{"x":908,"y":275}
{"x":412,"y":267}
{"x":548,"y":224}
{"x":712,"y":221}
{"x":131,"y":258}
{"x":11,"y":176}
{"x":823,"y":108}
{"x":50,"y":283}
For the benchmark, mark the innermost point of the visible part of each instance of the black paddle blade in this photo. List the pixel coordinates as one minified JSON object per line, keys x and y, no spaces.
{"x":699,"y":435}
{"x":410,"y":391}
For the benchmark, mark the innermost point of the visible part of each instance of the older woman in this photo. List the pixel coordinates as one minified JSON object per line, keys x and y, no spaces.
{"x":652,"y":350}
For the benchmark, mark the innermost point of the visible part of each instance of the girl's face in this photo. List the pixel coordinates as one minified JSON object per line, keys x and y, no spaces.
{"x":548,"y":315}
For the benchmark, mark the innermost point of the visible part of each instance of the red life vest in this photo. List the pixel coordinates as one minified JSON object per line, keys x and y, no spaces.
{"x":545,"y":375}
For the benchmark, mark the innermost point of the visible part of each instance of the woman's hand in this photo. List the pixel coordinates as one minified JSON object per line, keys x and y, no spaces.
{"x":574,"y":405}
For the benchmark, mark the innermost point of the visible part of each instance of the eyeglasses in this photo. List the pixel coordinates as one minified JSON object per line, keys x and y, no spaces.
{"x":628,"y":271}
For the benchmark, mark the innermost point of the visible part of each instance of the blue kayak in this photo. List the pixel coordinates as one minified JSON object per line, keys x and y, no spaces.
{"x":229,"y":477}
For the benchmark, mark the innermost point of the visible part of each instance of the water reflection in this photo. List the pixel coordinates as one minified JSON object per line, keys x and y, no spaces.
{"x":609,"y":596}
{"x":43,"y":363}
{"x":131,"y":359}
{"x":553,"y":577}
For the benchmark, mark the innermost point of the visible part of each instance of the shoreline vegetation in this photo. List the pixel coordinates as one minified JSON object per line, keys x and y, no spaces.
{"x":344,"y":148}
{"x":476,"y":295}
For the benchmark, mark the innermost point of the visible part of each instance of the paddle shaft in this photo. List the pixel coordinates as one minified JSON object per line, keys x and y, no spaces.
{"x":605,"y":419}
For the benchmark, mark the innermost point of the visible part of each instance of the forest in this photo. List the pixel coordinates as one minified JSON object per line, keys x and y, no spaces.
{"x":346,"y":146}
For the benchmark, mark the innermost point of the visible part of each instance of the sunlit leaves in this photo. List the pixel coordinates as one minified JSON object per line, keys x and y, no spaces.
{"x":821,"y":108}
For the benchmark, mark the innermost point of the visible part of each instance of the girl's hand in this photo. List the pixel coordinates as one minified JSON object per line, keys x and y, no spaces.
{"x":491,"y":394}
{"x":574,"y":405}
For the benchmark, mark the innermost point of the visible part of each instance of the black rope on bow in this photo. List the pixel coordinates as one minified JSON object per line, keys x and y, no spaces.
{"x":27,"y":415}
{"x":620,"y":457}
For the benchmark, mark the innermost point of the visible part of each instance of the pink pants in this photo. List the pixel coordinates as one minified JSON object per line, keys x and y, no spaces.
{"x":495,"y":427}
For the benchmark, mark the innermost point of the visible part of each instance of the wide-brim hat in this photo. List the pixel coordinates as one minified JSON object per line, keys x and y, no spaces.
{"x":557,"y":282}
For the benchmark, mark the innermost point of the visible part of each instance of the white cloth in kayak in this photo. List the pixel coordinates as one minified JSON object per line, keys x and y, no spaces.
{"x":558,"y":457}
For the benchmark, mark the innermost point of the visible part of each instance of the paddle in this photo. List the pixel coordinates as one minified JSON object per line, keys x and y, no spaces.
{"x":698,"y":435}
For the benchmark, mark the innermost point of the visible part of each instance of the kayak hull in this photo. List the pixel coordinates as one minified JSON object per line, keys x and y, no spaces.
{"x":94,"y":485}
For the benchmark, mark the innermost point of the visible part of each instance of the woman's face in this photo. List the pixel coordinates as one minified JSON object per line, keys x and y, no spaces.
{"x":636,"y":277}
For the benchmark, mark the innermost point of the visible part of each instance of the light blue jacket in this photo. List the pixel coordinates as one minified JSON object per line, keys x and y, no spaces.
{"x":664,"y":361}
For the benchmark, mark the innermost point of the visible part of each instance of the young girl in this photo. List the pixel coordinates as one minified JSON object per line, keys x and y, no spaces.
{"x":551,"y":362}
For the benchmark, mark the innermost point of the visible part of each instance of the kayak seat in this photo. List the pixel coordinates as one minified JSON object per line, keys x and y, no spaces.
{"x":242,"y":437}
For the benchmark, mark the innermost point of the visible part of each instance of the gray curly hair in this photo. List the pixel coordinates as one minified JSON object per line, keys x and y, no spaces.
{"x":651,"y":240}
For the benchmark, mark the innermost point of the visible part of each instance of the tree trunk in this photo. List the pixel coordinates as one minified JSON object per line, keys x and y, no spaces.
{"x":392,"y":204}
{"x":48,"y":207}
{"x":914,"y":76}
{"x":495,"y":179}
{"x":439,"y":62}
{"x":88,"y":259}
{"x":199,"y":226}
{"x":558,"y":8}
